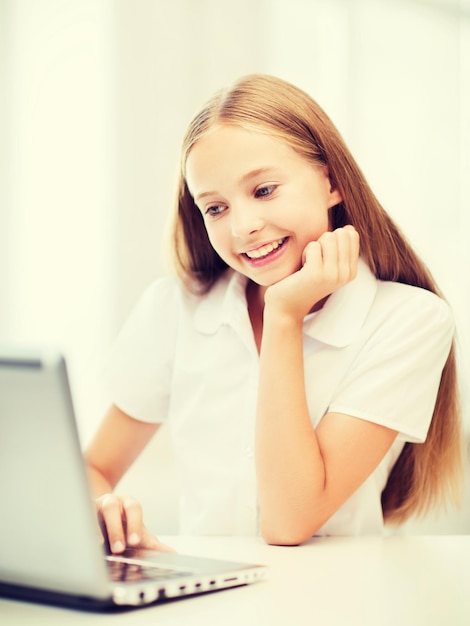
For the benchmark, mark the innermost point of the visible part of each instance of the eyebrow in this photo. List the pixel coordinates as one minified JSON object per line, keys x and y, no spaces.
{"x":243,"y":180}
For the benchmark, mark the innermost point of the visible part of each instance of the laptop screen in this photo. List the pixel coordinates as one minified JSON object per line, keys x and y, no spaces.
{"x":48,"y":525}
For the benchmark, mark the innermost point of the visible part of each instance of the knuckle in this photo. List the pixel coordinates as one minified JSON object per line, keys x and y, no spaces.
{"x":130,"y":504}
{"x":109,"y":502}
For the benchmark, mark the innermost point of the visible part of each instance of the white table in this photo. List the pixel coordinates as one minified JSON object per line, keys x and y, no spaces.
{"x":399,"y":581}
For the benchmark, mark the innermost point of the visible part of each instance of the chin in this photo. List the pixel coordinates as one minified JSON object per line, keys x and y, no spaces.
{"x":267,"y":282}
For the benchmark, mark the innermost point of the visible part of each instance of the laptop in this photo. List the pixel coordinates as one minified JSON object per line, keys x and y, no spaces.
{"x":50,"y":549}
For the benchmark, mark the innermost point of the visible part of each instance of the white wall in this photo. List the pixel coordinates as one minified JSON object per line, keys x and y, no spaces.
{"x":95,"y":97}
{"x":59,"y":190}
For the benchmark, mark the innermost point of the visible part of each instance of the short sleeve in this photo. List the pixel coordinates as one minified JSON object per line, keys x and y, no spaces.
{"x":138,"y":372}
{"x":395,"y":378}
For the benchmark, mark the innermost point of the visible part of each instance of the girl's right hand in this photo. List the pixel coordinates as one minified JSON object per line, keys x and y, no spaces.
{"x":328,"y":264}
{"x":122,"y":525}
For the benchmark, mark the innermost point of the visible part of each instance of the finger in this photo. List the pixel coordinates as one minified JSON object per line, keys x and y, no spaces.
{"x":312,"y":254}
{"x":329,"y":247}
{"x":150,"y":542}
{"x":353,"y":238}
{"x":99,"y":524}
{"x":345,"y":265}
{"x":110,"y":512}
{"x":348,"y":253}
{"x":351,"y":251}
{"x":137,"y":534}
{"x":132,"y":513}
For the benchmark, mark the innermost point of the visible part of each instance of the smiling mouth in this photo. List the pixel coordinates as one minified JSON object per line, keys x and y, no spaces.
{"x":264,"y":251}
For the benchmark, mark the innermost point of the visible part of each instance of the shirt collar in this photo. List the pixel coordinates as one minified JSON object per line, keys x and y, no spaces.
{"x":336,"y":324}
{"x":344,"y":313}
{"x":225,"y":302}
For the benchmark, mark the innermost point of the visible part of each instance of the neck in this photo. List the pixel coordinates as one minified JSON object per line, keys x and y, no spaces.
{"x":255,"y":302}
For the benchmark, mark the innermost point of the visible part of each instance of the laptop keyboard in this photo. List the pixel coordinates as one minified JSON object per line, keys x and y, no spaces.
{"x":124,"y":571}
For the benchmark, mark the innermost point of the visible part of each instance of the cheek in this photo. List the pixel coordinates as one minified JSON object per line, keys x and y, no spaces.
{"x":217,"y":240}
{"x":313,"y":229}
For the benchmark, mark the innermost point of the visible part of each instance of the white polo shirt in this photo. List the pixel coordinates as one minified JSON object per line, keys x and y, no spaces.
{"x":375,"y":351}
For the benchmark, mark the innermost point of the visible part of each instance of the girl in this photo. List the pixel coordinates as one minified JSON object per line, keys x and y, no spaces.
{"x":303,"y":354}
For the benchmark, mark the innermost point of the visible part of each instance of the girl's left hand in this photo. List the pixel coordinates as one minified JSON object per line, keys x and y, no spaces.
{"x":328,"y":264}
{"x":121,"y":524}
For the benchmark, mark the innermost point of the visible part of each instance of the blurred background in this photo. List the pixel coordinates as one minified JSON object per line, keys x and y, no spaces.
{"x":95,"y":96}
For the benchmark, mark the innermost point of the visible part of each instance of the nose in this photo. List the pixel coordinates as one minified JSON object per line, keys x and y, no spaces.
{"x":245,"y":220}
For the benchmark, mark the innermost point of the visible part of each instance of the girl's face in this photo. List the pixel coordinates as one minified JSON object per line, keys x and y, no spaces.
{"x":261,"y":201}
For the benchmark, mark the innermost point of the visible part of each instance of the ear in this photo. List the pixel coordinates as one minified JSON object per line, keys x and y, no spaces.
{"x":335,"y":198}
{"x":334,"y":194}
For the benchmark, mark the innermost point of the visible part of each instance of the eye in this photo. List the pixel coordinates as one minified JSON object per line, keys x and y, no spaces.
{"x":215,"y":210}
{"x":265,"y":190}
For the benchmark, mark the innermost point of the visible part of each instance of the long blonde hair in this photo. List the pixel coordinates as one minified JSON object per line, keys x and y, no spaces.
{"x":425,"y":475}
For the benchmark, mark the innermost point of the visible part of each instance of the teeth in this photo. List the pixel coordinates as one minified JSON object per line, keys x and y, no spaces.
{"x":264,"y":250}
